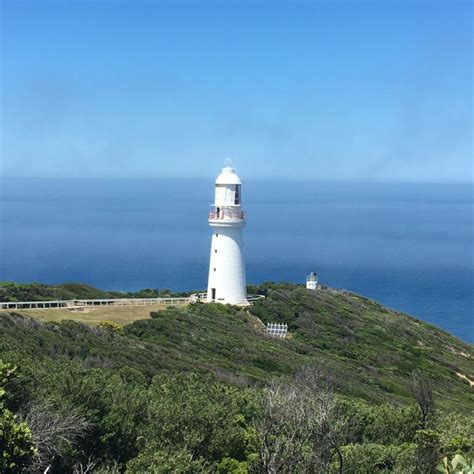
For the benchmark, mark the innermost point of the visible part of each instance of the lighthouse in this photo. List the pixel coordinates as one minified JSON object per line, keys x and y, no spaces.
{"x":226,"y":282}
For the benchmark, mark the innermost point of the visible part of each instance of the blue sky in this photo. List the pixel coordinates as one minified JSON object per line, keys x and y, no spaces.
{"x":349,"y":91}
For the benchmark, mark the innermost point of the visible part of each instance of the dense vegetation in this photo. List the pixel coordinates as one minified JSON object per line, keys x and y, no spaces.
{"x":355,"y":388}
{"x":11,"y":291}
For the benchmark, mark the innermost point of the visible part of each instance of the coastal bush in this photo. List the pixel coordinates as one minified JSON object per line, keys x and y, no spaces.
{"x":16,"y":440}
{"x":383,"y":424}
{"x":154,"y":460}
{"x":457,"y":434}
{"x":373,"y":457}
{"x":208,"y":418}
{"x":457,"y":465}
{"x":11,"y":291}
{"x":110,"y":326}
{"x":186,"y":389}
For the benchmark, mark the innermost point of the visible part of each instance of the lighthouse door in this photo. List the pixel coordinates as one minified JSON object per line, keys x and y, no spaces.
{"x":213,"y":294}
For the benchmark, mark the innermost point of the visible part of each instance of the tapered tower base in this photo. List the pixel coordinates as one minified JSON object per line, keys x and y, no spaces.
{"x":226,"y":266}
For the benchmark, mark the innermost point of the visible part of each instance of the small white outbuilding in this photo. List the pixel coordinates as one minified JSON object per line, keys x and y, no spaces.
{"x":312,"y":281}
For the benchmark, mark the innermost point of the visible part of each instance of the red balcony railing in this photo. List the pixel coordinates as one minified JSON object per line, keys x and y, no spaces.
{"x":224,"y":213}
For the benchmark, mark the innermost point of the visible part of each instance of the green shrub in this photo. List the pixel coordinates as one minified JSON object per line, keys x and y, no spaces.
{"x":457,"y":465}
{"x":110,"y":326}
{"x":157,"y":461}
{"x":16,"y":441}
{"x":370,"y":457}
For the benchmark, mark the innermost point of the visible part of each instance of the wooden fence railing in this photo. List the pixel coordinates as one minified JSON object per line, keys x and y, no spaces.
{"x":73,"y":304}
{"x":94,"y":302}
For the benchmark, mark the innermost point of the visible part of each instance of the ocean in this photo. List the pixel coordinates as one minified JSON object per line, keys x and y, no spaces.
{"x":409,"y":246}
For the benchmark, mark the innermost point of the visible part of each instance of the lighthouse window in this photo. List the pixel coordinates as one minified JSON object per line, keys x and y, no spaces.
{"x":214,"y":269}
{"x":215,"y":250}
{"x":217,"y":235}
{"x":237,"y":194}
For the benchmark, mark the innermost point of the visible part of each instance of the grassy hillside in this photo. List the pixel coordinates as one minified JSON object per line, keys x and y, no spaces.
{"x":366,"y":350}
{"x":202,"y":389}
{"x":381,"y":346}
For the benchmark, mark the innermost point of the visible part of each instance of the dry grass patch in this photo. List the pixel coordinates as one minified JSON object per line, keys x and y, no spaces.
{"x":121,"y":315}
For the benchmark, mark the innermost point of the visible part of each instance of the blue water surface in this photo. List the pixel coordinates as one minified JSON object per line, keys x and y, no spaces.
{"x":409,"y":246}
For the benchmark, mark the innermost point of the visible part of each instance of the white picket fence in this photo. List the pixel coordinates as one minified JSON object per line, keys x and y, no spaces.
{"x":277,"y":329}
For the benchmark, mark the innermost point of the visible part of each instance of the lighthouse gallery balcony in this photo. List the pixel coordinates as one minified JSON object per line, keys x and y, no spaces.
{"x":225,"y":213}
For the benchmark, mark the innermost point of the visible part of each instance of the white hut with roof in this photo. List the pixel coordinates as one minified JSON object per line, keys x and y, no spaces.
{"x":312,"y":281}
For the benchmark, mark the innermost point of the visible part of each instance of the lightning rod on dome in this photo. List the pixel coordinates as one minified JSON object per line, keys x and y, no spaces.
{"x":228,"y":163}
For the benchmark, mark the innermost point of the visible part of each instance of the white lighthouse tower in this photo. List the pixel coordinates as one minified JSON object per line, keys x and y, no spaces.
{"x":226,"y":282}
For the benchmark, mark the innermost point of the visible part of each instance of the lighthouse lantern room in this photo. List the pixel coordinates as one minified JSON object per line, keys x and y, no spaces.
{"x":226,"y":282}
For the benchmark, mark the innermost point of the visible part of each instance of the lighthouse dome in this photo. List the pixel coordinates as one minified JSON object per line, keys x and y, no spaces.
{"x":228,"y":176}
